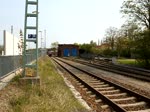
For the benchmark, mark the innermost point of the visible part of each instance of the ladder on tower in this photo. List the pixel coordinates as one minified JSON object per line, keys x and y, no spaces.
{"x":30,"y":25}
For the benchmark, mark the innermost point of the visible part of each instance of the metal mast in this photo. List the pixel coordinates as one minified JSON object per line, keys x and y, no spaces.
{"x":30,"y":17}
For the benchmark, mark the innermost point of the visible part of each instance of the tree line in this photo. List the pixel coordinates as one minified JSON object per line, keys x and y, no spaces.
{"x":132,"y":40}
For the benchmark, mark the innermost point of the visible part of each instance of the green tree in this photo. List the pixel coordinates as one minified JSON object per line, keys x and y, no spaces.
{"x":92,"y":43}
{"x":76,"y":44}
{"x":120,"y":42}
{"x":137,"y":10}
{"x":54,"y":47}
{"x":89,"y":50}
{"x":110,"y":36}
{"x":86,"y":48}
{"x":142,"y":47}
{"x":129,"y":29}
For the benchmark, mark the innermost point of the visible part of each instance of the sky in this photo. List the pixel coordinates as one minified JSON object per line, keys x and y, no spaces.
{"x":65,"y":21}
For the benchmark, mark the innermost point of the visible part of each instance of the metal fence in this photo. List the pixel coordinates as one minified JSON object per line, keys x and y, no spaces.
{"x":87,"y":56}
{"x":10,"y":63}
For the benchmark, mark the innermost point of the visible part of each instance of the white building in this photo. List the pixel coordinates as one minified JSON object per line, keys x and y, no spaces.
{"x":12,"y":44}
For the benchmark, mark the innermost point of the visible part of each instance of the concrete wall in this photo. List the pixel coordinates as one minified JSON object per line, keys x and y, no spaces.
{"x":10,"y":44}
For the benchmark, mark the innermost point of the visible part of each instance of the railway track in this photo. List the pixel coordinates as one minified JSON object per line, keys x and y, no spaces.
{"x":138,"y":73}
{"x":108,"y":94}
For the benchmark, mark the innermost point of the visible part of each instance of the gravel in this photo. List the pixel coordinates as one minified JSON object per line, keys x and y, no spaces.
{"x":142,"y":87}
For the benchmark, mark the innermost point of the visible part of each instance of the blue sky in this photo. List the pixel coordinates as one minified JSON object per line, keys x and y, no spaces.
{"x":65,"y":21}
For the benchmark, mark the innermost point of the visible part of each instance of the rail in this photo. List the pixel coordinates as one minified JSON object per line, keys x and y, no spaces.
{"x":111,"y":102}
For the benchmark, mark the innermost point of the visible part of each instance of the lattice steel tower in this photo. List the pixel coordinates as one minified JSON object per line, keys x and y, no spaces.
{"x":30,"y":36}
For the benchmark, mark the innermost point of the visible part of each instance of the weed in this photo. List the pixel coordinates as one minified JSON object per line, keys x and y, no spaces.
{"x":52,"y":96}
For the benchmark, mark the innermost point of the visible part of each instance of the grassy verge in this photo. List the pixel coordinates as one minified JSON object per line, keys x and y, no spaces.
{"x":52,"y":96}
{"x":127,"y":61}
{"x":133,"y":62}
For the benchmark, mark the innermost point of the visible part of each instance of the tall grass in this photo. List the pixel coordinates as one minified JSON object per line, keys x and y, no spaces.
{"x":52,"y":96}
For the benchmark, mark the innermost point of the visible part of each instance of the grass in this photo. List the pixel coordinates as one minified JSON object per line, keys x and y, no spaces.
{"x":128,"y":62}
{"x":133,"y":62}
{"x":52,"y":96}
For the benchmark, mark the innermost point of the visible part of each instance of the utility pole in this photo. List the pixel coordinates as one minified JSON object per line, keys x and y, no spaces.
{"x":30,"y":38}
{"x":45,"y":38}
{"x":14,"y":65}
{"x":11,"y":29}
{"x":41,"y":42}
{"x":13,"y":37}
{"x":45,"y":41}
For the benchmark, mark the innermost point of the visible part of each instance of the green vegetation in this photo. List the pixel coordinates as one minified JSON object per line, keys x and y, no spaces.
{"x":132,"y":40}
{"x":127,"y":61}
{"x":52,"y":96}
{"x":131,"y":62}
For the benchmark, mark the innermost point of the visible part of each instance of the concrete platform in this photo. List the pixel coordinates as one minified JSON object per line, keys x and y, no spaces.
{"x":8,"y":77}
{"x":30,"y":80}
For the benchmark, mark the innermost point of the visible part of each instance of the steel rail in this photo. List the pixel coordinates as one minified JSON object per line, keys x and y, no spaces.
{"x":105,"y":99}
{"x":118,"y":70}
{"x":111,"y":83}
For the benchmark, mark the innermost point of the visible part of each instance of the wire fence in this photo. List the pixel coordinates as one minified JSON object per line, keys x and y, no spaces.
{"x":87,"y":56}
{"x":11,"y":63}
